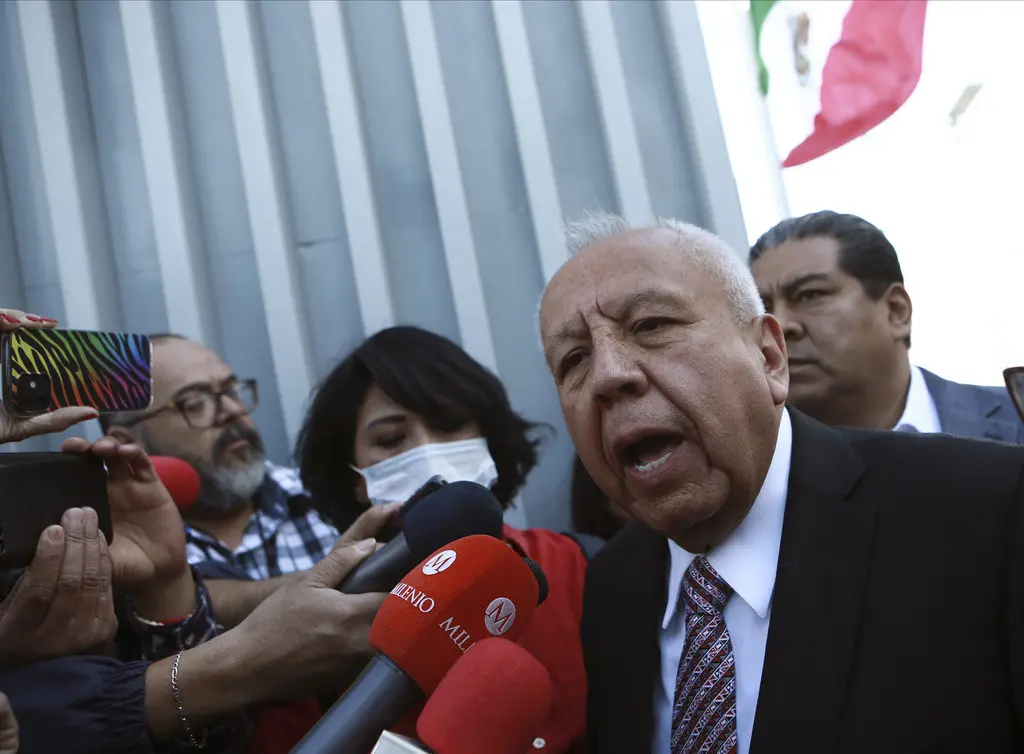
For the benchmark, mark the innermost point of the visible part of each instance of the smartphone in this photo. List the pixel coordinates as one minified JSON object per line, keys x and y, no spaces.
{"x":44,"y":370}
{"x":36,"y":489}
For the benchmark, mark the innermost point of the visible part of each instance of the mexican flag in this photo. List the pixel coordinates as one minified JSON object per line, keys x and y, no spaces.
{"x":831,"y":70}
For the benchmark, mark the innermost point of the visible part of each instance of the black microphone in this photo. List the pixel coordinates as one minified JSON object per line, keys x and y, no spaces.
{"x":394,"y":525}
{"x":449,"y":513}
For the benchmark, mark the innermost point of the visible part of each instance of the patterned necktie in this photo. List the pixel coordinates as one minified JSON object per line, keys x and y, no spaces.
{"x":704,"y":714}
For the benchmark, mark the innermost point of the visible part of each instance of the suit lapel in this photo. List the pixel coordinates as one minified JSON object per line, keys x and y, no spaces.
{"x":630,"y":649}
{"x":968,"y":411}
{"x":816,"y":604}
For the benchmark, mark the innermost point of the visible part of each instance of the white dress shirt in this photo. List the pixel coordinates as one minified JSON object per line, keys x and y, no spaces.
{"x":920,"y":411}
{"x":747,"y":560}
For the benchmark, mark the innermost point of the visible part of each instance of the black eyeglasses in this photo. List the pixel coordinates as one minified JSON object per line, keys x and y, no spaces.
{"x":1014,"y":379}
{"x":200,"y":407}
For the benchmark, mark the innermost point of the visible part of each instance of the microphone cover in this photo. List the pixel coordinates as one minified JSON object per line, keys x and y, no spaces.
{"x":394,"y":526}
{"x":468,"y":590}
{"x":454,"y":511}
{"x":180,"y":479}
{"x":495,"y":699}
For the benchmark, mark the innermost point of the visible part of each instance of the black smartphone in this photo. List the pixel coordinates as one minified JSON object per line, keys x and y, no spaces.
{"x":36,"y":489}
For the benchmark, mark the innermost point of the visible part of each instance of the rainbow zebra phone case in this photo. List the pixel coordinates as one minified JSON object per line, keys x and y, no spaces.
{"x":44,"y":370}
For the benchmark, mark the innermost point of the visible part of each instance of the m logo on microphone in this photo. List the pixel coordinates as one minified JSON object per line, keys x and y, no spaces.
{"x":499,"y":616}
{"x":440,"y":562}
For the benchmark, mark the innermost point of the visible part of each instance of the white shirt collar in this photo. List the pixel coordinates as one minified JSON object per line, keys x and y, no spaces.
{"x":920,"y":411}
{"x":748,"y":558}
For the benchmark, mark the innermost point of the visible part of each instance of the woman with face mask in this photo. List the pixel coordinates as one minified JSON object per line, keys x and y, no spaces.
{"x":408,"y":405}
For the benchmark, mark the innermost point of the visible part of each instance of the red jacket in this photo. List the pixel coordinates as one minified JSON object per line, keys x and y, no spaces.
{"x":553,"y":637}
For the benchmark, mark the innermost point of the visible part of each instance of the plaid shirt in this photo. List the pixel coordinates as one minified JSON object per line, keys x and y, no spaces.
{"x":283,"y":535}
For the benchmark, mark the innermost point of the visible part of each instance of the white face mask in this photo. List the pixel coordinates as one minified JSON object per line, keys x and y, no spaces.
{"x":396,"y":479}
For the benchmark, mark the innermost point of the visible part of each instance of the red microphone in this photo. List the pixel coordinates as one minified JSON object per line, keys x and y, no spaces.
{"x":495,"y":699}
{"x":468,"y":590}
{"x":473,"y":588}
{"x":180,"y":479}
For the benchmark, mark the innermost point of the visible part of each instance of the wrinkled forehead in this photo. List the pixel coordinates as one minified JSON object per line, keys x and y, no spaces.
{"x":609,"y":276}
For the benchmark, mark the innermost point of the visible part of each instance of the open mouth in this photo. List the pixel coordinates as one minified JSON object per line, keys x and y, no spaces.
{"x":651,"y":452}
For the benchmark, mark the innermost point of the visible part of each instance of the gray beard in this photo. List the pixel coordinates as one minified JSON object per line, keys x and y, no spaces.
{"x":223,"y":490}
{"x":228,"y":490}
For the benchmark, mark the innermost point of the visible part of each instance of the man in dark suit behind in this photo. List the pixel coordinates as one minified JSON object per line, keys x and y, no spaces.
{"x":835,"y":284}
{"x":785,"y":588}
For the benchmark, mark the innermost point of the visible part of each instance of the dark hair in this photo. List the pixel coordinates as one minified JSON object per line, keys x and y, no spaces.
{"x":111,"y":420}
{"x":424,"y":373}
{"x":864,"y":251}
{"x":591,"y":512}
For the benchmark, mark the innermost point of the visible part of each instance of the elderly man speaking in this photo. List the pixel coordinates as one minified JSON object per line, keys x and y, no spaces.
{"x":785,"y":587}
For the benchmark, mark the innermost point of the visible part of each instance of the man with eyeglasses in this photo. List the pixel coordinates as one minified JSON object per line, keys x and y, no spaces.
{"x":252,"y":526}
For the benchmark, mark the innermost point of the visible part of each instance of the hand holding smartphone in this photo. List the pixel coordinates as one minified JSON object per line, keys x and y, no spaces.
{"x":44,"y":369}
{"x":36,"y":489}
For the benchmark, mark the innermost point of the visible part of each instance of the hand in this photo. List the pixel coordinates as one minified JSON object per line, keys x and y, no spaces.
{"x":13,"y":429}
{"x":304,"y":637}
{"x":148,"y":549}
{"x":8,"y":727}
{"x":63,"y":604}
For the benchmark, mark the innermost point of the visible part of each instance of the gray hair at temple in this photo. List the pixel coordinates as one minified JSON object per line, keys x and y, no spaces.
{"x":697,"y":246}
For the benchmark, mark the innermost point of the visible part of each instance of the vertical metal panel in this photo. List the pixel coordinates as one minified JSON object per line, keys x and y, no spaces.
{"x":349,"y":151}
{"x":534,"y":149}
{"x":179,"y":249}
{"x":449,"y":193}
{"x":268,"y":213}
{"x":697,"y":101}
{"x":281,"y":178}
{"x":11,"y":284}
{"x":131,"y":222}
{"x":403,"y":189}
{"x":67,"y":151}
{"x":32,"y":251}
{"x":220,"y":201}
{"x":616,"y":112}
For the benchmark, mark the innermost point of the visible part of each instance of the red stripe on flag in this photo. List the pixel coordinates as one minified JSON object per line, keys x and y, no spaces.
{"x":868,"y":75}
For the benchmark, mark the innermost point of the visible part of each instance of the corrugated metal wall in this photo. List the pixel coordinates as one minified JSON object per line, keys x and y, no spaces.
{"x":279,"y":179}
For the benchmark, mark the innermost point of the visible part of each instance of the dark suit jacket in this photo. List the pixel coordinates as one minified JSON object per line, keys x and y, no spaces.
{"x":974,"y":410}
{"x":897,"y":621}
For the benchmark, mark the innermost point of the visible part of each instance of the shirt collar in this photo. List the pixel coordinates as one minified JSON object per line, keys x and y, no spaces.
{"x":920,"y":411}
{"x":749,"y":557}
{"x":271,"y":499}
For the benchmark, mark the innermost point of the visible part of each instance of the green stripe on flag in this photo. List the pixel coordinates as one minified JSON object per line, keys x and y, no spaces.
{"x":758,"y":12}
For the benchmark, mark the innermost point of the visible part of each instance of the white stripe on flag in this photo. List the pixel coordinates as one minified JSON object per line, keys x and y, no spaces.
{"x":791,"y":104}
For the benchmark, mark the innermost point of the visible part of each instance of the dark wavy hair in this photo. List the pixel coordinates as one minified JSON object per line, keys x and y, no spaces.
{"x":424,"y":373}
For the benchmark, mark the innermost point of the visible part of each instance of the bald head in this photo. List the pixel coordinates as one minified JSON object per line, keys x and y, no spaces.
{"x":671,"y":378}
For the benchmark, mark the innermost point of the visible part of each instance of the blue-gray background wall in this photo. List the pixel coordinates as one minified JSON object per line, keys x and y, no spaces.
{"x":279,"y":179}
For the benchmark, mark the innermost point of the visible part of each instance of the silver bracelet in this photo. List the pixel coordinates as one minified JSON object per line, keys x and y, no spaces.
{"x":182,"y":717}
